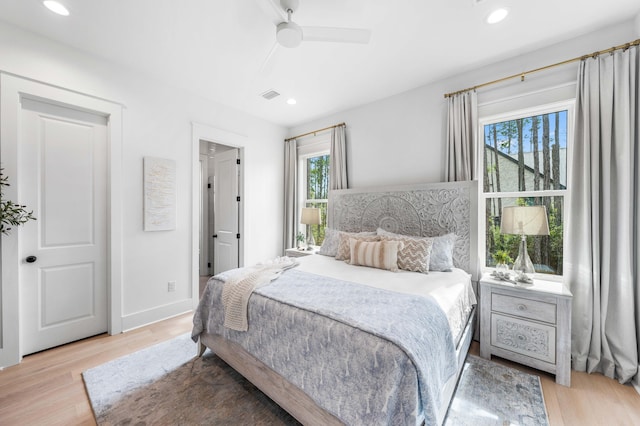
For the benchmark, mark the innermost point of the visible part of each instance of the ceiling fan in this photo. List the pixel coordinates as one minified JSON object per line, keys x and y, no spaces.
{"x":289,"y":34}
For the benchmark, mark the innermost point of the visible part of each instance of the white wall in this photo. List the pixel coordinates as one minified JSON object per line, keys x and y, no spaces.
{"x":157,"y":122}
{"x":401,"y":139}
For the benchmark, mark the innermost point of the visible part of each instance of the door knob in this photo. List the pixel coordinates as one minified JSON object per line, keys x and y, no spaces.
{"x":31,"y":259}
{"x":215,"y":235}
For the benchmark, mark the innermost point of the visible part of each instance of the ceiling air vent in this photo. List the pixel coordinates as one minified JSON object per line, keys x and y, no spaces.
{"x":270,"y":94}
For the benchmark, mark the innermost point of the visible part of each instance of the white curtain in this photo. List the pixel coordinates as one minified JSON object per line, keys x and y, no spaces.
{"x":462,"y":147}
{"x":603,"y":229}
{"x":338,"y":159}
{"x":290,"y":193}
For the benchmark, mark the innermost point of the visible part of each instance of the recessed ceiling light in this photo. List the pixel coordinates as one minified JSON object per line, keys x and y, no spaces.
{"x":56,"y":7}
{"x":497,"y":16}
{"x":291,"y":101}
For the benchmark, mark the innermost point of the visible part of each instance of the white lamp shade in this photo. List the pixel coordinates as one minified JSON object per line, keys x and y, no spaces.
{"x":310,"y":216}
{"x":524,"y":220}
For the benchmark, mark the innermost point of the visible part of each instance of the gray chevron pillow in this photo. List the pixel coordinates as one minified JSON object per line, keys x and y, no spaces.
{"x":441,"y":255}
{"x":415,"y":254}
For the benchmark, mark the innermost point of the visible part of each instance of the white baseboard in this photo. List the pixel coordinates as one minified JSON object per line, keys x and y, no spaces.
{"x":142,"y":318}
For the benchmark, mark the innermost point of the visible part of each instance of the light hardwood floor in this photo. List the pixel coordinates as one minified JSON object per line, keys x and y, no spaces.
{"x":47,"y":388}
{"x":592,"y":399}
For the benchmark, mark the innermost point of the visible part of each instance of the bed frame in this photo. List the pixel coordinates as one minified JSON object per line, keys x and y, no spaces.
{"x":427,"y":210}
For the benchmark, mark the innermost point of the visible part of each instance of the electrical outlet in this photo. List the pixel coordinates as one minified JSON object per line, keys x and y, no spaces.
{"x":171,"y":286}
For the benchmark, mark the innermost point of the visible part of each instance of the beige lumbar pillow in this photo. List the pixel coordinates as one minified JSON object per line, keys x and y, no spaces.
{"x":375,"y":254}
{"x":344,"y":250}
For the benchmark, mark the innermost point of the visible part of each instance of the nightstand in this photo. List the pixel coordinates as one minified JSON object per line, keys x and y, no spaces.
{"x":295,"y":252}
{"x":527,"y":323}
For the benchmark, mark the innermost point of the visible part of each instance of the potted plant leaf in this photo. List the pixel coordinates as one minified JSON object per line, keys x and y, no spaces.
{"x":11,"y":214}
{"x":502,"y":259}
{"x":300,"y":239}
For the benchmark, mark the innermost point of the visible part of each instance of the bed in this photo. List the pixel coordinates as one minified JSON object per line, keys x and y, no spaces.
{"x":335,"y":343}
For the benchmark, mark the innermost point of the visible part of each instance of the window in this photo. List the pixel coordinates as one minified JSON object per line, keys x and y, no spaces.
{"x":525,"y":163}
{"x":313,"y":169}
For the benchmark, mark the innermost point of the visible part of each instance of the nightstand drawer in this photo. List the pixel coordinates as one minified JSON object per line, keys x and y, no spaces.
{"x":524,"y":337}
{"x":524,"y":308}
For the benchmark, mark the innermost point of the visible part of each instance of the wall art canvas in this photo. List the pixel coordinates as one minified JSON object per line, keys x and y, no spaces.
{"x":159,"y":194}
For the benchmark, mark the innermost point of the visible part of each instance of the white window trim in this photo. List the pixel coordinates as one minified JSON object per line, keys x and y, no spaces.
{"x":569,"y":106}
{"x":312,"y":147}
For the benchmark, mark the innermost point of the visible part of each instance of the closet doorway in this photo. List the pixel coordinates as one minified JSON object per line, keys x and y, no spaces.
{"x":220,"y":208}
{"x":203,"y":244}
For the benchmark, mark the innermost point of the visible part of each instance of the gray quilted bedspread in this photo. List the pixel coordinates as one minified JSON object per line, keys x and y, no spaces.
{"x":368,"y":356}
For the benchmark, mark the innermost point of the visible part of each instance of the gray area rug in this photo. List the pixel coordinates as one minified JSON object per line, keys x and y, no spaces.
{"x":166,"y":385}
{"x":492,"y":394}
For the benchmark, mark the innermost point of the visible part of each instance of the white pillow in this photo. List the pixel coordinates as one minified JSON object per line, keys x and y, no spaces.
{"x":330,"y":244}
{"x":442,"y":253}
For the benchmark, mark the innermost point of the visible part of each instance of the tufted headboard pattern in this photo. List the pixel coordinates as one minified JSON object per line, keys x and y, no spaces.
{"x":426,"y":210}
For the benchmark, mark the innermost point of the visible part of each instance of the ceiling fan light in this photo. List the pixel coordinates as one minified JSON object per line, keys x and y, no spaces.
{"x":497,"y":16}
{"x":289,"y":34}
{"x":56,"y":7}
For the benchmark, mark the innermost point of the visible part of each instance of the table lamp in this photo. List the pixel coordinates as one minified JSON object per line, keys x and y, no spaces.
{"x":310,"y":216}
{"x":523,"y":221}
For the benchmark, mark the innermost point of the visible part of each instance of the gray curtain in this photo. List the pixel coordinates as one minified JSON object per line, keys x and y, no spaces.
{"x":603,"y":230}
{"x":462,"y":147}
{"x":290,"y":193}
{"x":338,"y":159}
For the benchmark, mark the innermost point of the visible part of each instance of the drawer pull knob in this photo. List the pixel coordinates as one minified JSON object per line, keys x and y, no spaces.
{"x":522,"y":307}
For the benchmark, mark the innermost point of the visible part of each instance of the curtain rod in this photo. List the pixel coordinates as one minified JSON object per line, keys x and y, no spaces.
{"x":314,"y":132}
{"x":568,"y":61}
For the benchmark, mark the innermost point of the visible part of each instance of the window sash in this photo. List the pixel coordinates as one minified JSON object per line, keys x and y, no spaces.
{"x":316,"y":149}
{"x":484,"y":196}
{"x":543,"y":250}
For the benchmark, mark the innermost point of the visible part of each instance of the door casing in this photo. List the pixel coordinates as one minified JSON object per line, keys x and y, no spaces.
{"x":211,"y":134}
{"x":12,"y":89}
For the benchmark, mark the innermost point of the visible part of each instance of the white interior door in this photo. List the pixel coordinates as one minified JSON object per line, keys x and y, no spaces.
{"x":226,"y":207}
{"x":204,"y":216}
{"x":211,"y":219}
{"x":63,"y":255}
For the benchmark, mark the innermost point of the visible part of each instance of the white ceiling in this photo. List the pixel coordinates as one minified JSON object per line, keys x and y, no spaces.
{"x":217,"y":48}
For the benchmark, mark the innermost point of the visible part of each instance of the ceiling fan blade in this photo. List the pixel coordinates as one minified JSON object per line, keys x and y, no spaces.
{"x":273,"y":10}
{"x":267,"y":64}
{"x":339,"y":35}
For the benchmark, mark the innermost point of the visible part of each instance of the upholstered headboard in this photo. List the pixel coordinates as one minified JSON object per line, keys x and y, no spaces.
{"x":426,"y":210}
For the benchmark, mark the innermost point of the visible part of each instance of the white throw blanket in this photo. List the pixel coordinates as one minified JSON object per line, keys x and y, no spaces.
{"x":238,"y":289}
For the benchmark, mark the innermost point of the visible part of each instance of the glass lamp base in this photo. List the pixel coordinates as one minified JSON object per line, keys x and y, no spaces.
{"x":523,"y":267}
{"x":310,"y":240}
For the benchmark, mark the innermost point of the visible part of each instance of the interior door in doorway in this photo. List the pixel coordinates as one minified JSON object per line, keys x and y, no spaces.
{"x":63,"y":255}
{"x":204,"y":240}
{"x":226,"y":210}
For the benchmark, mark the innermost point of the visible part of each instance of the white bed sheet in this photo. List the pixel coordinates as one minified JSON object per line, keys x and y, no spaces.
{"x":452,"y":290}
